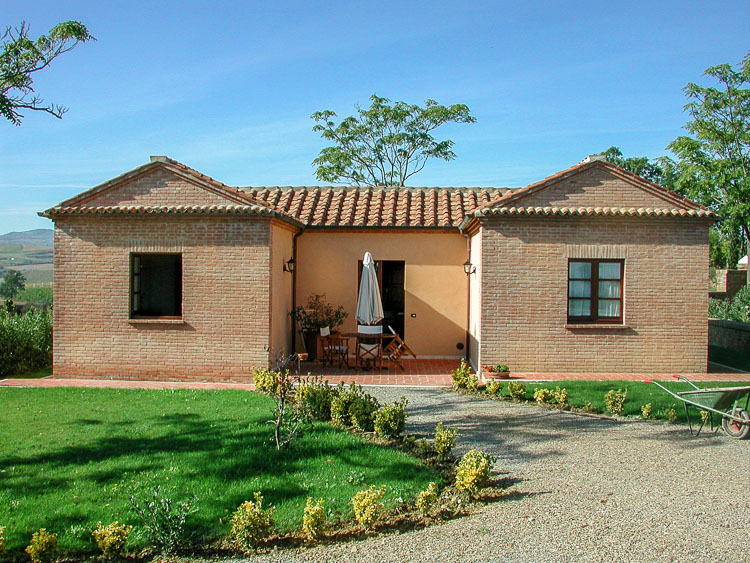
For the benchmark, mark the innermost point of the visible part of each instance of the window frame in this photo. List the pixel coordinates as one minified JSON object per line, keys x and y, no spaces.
{"x":131,"y":312}
{"x":594,"y":317}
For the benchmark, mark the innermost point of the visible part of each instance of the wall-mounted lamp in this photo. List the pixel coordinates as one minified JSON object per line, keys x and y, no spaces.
{"x":289,"y":266}
{"x":469,"y":268}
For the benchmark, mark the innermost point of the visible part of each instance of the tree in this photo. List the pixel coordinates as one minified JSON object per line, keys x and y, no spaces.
{"x":659,"y":170}
{"x":713,"y":165}
{"x":21,"y":57}
{"x":13,"y":282}
{"x":385,"y":144}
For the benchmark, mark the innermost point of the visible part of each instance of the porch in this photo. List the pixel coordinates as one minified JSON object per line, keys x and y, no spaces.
{"x":419,"y":373}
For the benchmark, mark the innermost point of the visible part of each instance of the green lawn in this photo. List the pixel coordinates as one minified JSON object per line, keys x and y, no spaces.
{"x":71,"y":457}
{"x":729,"y":357}
{"x":639,"y":394}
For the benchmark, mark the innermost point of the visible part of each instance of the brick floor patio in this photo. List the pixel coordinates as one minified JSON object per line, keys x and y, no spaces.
{"x":417,"y":373}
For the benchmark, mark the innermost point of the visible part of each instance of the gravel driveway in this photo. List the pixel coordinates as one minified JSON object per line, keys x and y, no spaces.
{"x":588,"y":489}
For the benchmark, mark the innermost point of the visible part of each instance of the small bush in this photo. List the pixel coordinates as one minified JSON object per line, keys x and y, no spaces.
{"x":517,"y":390}
{"x":493,"y":388}
{"x":313,"y":518}
{"x":391,"y":419}
{"x":265,"y":381}
{"x":164,"y":520}
{"x":543,"y":396}
{"x":314,"y":399}
{"x":445,"y":439}
{"x":111,"y":539}
{"x":705,"y":417}
{"x":353,"y":407}
{"x":464,"y":378}
{"x":251,"y":523}
{"x":615,"y":400}
{"x":671,"y":415}
{"x":426,"y":499}
{"x":473,"y":471}
{"x":646,"y":411}
{"x":367,"y":505}
{"x":425,"y":447}
{"x":2,"y":539}
{"x":561,"y":396}
{"x":42,"y":547}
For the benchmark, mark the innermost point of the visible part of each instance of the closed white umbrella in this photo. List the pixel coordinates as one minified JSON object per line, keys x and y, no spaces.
{"x":369,"y":305}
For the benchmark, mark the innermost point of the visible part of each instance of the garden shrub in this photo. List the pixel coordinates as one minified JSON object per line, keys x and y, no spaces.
{"x":313,"y":518}
{"x":473,"y":471}
{"x":516,"y":390}
{"x":367,"y":505}
{"x":164,"y":520}
{"x":671,"y":415}
{"x":543,"y":396}
{"x":266,"y":381}
{"x":251,"y":523}
{"x":646,"y":411}
{"x":425,"y":447}
{"x":735,"y":309}
{"x":464,"y":378}
{"x":353,"y":407}
{"x":615,"y":400}
{"x":25,"y":341}
{"x":2,"y":539}
{"x":426,"y":499}
{"x":561,"y":396}
{"x":445,"y":439}
{"x":391,"y":419}
{"x":110,"y":539}
{"x":494,"y":388}
{"x":314,"y":398}
{"x":42,"y":547}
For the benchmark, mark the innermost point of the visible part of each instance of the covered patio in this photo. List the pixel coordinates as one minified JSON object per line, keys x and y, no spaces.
{"x":419,"y":373}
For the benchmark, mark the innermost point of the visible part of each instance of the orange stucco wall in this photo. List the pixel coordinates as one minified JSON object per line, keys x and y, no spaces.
{"x":434,"y":281}
{"x":281,"y":289}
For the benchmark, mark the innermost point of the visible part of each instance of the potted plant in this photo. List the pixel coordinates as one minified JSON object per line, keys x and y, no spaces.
{"x":498,"y":371}
{"x":316,"y":314}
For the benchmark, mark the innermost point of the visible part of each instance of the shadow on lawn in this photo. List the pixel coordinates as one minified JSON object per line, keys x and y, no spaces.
{"x":202,"y":449}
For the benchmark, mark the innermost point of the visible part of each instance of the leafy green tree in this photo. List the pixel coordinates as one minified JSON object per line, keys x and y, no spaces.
{"x":385,"y":144}
{"x":658,"y":170}
{"x":713,"y":162}
{"x":20,"y":58}
{"x":13,"y":282}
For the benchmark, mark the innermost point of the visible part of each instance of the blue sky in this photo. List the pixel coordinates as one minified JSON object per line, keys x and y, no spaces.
{"x":228,"y":87}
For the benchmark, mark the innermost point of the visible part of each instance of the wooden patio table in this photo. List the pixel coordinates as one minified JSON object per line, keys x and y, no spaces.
{"x":381,"y":337}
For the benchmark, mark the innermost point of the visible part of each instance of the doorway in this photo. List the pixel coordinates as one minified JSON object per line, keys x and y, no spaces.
{"x":391,"y":283}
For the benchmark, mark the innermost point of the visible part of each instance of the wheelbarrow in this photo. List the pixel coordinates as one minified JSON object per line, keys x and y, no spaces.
{"x":723,"y":401}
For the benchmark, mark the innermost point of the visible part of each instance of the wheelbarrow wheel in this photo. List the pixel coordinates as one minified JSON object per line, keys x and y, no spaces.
{"x":739,"y":430}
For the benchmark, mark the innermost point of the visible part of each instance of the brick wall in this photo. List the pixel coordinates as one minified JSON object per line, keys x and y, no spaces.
{"x":524,"y":294}
{"x":158,"y":187}
{"x":226,"y":298}
{"x":593,"y":187}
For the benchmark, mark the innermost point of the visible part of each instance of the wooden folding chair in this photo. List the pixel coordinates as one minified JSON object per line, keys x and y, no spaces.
{"x":334,"y":347}
{"x":369,"y":345}
{"x":397,"y":348}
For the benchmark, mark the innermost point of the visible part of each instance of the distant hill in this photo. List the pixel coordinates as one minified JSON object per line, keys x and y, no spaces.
{"x":35,"y":237}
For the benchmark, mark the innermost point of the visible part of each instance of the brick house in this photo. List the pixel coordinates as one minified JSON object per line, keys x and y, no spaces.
{"x":165,"y":273}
